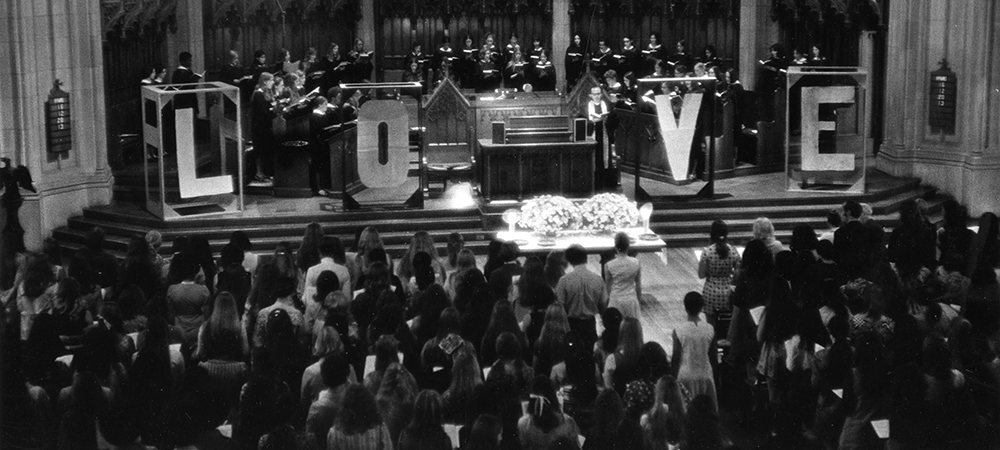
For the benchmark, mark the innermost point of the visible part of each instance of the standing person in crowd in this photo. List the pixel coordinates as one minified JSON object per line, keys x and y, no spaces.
{"x":628,"y":58}
{"x":603,"y":60}
{"x":358,"y":425}
{"x":456,"y":243}
{"x":361,"y":62}
{"x":623,"y":277}
{"x":328,"y":246}
{"x":653,"y":54}
{"x":189,"y":302}
{"x":425,"y":431}
{"x":544,"y":423}
{"x":663,"y":425}
{"x":308,"y":253}
{"x":501,"y":278}
{"x":854,"y":243}
{"x":576,"y":57}
{"x":620,"y":366}
{"x":584,"y":295}
{"x":605,"y":172}
{"x":555,"y":267}
{"x":718,"y":264}
{"x":763,"y":230}
{"x":531,"y":296}
{"x":912,"y":245}
{"x":694,"y":348}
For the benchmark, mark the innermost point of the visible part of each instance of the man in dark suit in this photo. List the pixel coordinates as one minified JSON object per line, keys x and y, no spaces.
{"x":502,"y":277}
{"x":856,"y":245}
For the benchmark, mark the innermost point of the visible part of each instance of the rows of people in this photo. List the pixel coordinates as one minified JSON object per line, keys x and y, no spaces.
{"x":845,"y":331}
{"x":321,"y":348}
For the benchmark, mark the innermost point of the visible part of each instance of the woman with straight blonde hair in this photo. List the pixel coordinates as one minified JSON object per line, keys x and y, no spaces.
{"x":223,"y":331}
{"x":420,"y":242}
{"x":368,"y":241}
{"x":619,"y":367}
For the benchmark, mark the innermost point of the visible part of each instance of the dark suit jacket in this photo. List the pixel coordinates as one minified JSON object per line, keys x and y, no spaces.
{"x":502,"y":277}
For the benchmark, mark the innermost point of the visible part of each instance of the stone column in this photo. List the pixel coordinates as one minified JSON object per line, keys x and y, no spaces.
{"x":560,"y":40}
{"x":963,"y":164}
{"x":41,"y":42}
{"x":757,"y":33}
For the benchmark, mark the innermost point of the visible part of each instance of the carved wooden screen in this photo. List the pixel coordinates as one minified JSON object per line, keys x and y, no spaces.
{"x":401,"y":23}
{"x":250,"y":25}
{"x":700,"y":22}
{"x":449,"y":124}
{"x":133,"y":42}
{"x":834,"y":24}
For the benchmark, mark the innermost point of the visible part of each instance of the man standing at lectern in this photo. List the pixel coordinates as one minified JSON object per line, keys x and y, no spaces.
{"x":605,"y":178}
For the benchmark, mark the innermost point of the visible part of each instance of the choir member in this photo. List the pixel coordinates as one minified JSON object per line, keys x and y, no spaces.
{"x":652,"y":54}
{"x":799,"y":58}
{"x":628,"y":57}
{"x":488,"y":71}
{"x":444,"y":61}
{"x":233,"y":73}
{"x":603,"y":60}
{"x":335,"y":68}
{"x":417,"y":55}
{"x":545,"y":73}
{"x":155,"y":75}
{"x":629,"y":89}
{"x":774,"y":69}
{"x":494,"y":53}
{"x":511,"y":48}
{"x":283,"y":64}
{"x":361,"y":61}
{"x":576,"y":56}
{"x":817,"y":59}
{"x":535,"y":52}
{"x":309,"y":65}
{"x":465,"y":66}
{"x":414,"y":74}
{"x":262,"y":114}
{"x":711,"y":59}
{"x":614,"y":87}
{"x":259,"y":65}
{"x":681,"y":57}
{"x":513,"y":72}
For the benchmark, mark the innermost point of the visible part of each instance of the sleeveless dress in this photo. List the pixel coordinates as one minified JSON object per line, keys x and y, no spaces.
{"x":695,"y":372}
{"x":622,"y":272}
{"x":719,"y":277}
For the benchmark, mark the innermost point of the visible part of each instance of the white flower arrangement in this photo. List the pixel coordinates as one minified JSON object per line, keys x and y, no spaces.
{"x":549,"y":214}
{"x":608,"y":212}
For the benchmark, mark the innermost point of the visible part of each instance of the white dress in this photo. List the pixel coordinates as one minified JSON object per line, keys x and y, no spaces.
{"x":695,"y":373}
{"x":622,"y":272}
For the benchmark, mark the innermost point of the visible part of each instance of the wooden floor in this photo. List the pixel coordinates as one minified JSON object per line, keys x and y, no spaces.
{"x":666,"y":277}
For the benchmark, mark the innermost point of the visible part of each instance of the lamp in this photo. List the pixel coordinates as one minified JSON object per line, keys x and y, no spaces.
{"x":646,"y":211}
{"x":511,"y":216}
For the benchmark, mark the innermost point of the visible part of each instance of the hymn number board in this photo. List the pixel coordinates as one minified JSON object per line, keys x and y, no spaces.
{"x":944,"y":93}
{"x":58,"y":131}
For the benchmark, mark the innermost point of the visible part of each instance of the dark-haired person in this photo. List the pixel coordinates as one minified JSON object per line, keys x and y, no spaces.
{"x":485,"y":434}
{"x":681,"y":56}
{"x":324,"y":410}
{"x":912,"y":245}
{"x":627,"y":59}
{"x":358,"y":425}
{"x":854,"y":243}
{"x":329,"y":246}
{"x":718,"y":264}
{"x":189,"y":302}
{"x":694,"y":346}
{"x":425,"y":431}
{"x":502,"y":277}
{"x":544,"y":423}
{"x":576,"y":57}
{"x":284,"y":294}
{"x":623,"y":277}
{"x":583,"y":293}
{"x":608,"y":413}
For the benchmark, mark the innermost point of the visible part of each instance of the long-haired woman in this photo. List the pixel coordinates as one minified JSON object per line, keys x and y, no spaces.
{"x":395,"y":399}
{"x":550,"y":349}
{"x":465,"y":260}
{"x":285,"y":261}
{"x":222,"y":331}
{"x":619,"y":367}
{"x":308,"y":254}
{"x":545,"y":423}
{"x":368,"y":240}
{"x":502,"y":320}
{"x":465,"y":377}
{"x":717,"y":266}
{"x":425,"y":431}
{"x":623,"y":279}
{"x":532,"y":295}
{"x":420,"y":242}
{"x":555,"y":267}
{"x":663,"y":425}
